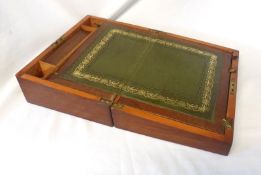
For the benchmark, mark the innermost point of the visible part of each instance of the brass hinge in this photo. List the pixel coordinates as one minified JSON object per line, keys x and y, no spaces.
{"x":232,"y":70}
{"x":106,"y":101}
{"x":59,"y":40}
{"x":232,"y":87}
{"x":155,"y":31}
{"x":117,"y":106}
{"x":226,"y":123}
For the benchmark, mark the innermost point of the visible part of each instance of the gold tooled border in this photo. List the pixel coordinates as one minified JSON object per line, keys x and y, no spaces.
{"x":208,"y":85}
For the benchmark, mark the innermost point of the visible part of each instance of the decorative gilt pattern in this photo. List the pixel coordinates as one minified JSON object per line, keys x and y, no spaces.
{"x":208,"y":85}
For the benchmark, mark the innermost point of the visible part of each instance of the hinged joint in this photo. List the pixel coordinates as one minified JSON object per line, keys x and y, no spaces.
{"x":117,"y":106}
{"x":59,"y":41}
{"x":226,"y":123}
{"x":232,"y":70}
{"x":232,"y":87}
{"x":106,"y":101}
{"x":155,"y":31}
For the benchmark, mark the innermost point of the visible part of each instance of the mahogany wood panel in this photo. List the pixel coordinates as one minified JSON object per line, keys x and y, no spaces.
{"x":140,"y":125}
{"x":69,"y":103}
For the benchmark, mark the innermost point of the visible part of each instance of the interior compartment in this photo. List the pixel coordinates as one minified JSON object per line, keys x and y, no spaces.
{"x":41,"y":69}
{"x":66,"y":45}
{"x":63,"y":48}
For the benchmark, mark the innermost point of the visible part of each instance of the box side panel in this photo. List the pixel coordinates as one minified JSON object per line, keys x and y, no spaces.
{"x":231,"y":107}
{"x":139,"y":125}
{"x":65,"y":102}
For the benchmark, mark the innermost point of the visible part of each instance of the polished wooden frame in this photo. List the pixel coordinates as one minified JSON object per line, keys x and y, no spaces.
{"x":41,"y":85}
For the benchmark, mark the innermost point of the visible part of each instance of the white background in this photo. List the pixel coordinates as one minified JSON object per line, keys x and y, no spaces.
{"x":35,"y":140}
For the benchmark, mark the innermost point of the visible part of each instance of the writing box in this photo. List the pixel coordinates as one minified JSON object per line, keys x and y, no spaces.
{"x":138,"y":79}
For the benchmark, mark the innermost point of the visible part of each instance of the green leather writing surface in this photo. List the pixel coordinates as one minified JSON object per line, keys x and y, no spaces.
{"x":159,"y":71}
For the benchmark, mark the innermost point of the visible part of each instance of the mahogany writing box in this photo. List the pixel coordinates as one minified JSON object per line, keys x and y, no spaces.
{"x":139,"y":79}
